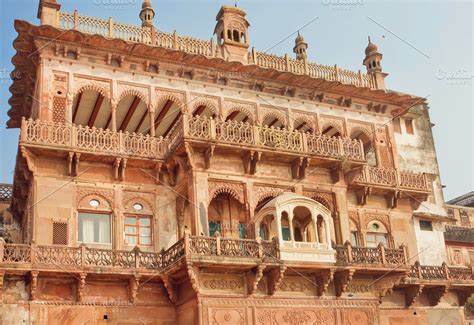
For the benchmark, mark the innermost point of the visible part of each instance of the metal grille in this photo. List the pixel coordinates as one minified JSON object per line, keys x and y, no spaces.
{"x":59,"y":233}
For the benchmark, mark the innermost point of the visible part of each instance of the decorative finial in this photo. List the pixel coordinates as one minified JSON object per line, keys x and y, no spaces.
{"x":369,"y":39}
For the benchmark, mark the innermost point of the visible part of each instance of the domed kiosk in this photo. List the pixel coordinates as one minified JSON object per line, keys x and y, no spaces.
{"x":301,"y":226}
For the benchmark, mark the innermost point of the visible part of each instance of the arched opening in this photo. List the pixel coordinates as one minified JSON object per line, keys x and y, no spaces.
{"x":238,"y":116}
{"x":204,"y":111}
{"x":227,"y":216}
{"x":285,"y":226}
{"x":132,"y":115}
{"x":267,"y":229}
{"x":91,"y":108}
{"x":229,"y":35}
{"x":236,"y":36}
{"x":303,"y":224}
{"x":261,"y":203}
{"x":331,"y":131}
{"x":303,"y":126}
{"x":166,"y":116}
{"x":376,"y":234}
{"x":242,"y":38}
{"x":367,"y":143}
{"x":273,"y":121}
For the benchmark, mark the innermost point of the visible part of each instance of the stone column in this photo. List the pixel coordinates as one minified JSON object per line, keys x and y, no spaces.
{"x":292,"y":230}
{"x":151,"y":110}
{"x":113,"y":108}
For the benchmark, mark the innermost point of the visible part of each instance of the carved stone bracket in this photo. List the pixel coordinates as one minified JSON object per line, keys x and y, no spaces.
{"x":435,"y":294}
{"x":193,"y":274}
{"x":342,"y":280}
{"x":208,"y":153}
{"x":81,"y":285}
{"x":30,"y":159}
{"x":190,"y":155}
{"x":33,"y":284}
{"x":336,"y":174}
{"x":275,"y":278}
{"x":363,"y":194}
{"x":119,"y":168}
{"x":254,"y":276}
{"x":412,"y":293}
{"x":73,"y":163}
{"x":250,"y":162}
{"x":384,"y":286}
{"x":133,"y":286}
{"x":298,"y":167}
{"x":392,"y":199}
{"x":2,"y":279}
{"x":170,"y":287}
{"x":323,"y":280}
{"x":463,"y":295}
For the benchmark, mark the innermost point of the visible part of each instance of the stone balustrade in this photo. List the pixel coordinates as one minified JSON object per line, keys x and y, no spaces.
{"x":348,"y":254}
{"x":110,"y":29}
{"x":6,"y":192}
{"x":231,"y":132}
{"x":442,"y":272}
{"x":390,"y":177}
{"x":94,"y":140}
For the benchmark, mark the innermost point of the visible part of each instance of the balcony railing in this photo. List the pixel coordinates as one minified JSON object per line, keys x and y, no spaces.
{"x":6,"y":192}
{"x":110,"y":29}
{"x":239,"y":133}
{"x":389,"y":177}
{"x":94,"y":140}
{"x":459,"y":234}
{"x":443,"y":272}
{"x":348,"y":254}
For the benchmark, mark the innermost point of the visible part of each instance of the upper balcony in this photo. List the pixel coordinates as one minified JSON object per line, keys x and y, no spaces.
{"x":150,"y":36}
{"x":390,"y":182}
{"x":459,"y":234}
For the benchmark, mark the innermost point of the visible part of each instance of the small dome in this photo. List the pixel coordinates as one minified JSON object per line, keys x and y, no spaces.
{"x":146,"y":4}
{"x":299,"y":39}
{"x":371,"y":48}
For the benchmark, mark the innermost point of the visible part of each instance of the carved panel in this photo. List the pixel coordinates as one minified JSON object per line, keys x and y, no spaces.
{"x":217,"y":282}
{"x":129,"y":198}
{"x":261,"y":193}
{"x":81,"y":84}
{"x":84,"y":194}
{"x":357,"y":317}
{"x":198,"y":100}
{"x":293,"y":316}
{"x":141,"y":92}
{"x":174,"y":96}
{"x":231,"y":106}
{"x":336,"y":123}
{"x":298,"y":284}
{"x":227,"y":316}
{"x":236,"y":190}
{"x":368,"y":217}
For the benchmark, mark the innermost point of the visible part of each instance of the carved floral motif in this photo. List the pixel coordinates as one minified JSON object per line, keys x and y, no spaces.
{"x":236,"y":190}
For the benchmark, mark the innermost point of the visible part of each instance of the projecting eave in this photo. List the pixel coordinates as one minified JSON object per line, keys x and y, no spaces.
{"x":22,"y":87}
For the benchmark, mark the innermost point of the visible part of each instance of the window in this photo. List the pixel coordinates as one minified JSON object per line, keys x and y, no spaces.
{"x":426,"y":225}
{"x":373,"y":239}
{"x":213,"y":227}
{"x":354,"y":238}
{"x":396,"y":125}
{"x":285,"y":232}
{"x":138,"y":230}
{"x":409,"y":126}
{"x":242,"y":230}
{"x":94,"y":228}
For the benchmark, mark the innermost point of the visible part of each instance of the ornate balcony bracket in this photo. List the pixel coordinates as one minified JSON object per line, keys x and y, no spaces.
{"x":33,"y":284}
{"x":170,"y":287}
{"x":275,"y":278}
{"x":323,"y":280}
{"x":2,"y":279}
{"x":30,"y":159}
{"x":73,"y":163}
{"x":208,"y":153}
{"x":298,"y":167}
{"x":133,"y":286}
{"x":336,"y":174}
{"x":435,"y":294}
{"x":190,"y":155}
{"x":385,"y":285}
{"x":463,"y":295}
{"x":250,"y":161}
{"x":193,"y":274}
{"x":342,"y":280}
{"x":254,"y":276}
{"x":363,"y":194}
{"x":392,"y":199}
{"x":80,"y":286}
{"x":411,"y":294}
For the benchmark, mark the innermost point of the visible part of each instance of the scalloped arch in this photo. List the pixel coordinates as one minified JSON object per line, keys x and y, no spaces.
{"x":242,"y":109}
{"x":175,"y":99}
{"x":94,"y":195}
{"x":139,"y":199}
{"x":93,"y":87}
{"x":363,"y":130}
{"x":332,"y":124}
{"x":225,"y":189}
{"x":134,"y":92}
{"x":280,"y":117}
{"x":304,"y":119}
{"x":201,"y":101}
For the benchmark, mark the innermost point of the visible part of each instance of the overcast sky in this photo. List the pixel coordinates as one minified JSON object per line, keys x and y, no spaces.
{"x":427,"y":48}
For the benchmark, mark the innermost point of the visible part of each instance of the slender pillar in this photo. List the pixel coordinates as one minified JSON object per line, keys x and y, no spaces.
{"x":114,"y":116}
{"x":316,"y":234}
{"x":328,"y":233}
{"x":152,"y":121}
{"x":292,"y":230}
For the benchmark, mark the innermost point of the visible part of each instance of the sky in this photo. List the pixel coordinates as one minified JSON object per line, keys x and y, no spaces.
{"x":427,"y":48}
